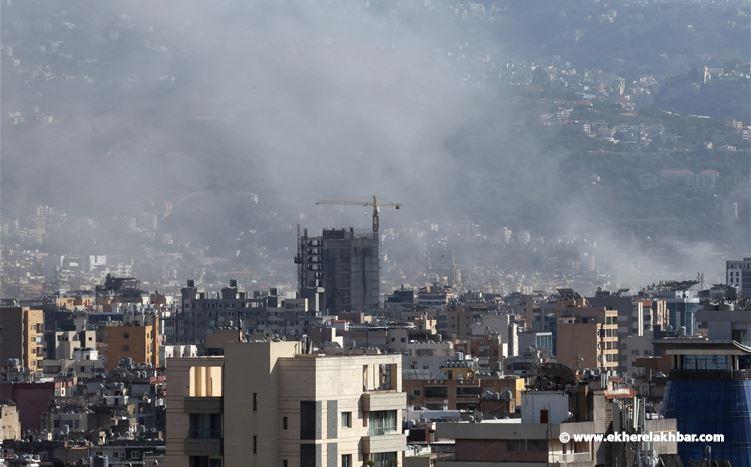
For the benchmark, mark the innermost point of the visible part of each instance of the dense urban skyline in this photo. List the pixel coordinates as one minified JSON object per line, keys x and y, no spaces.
{"x":434,"y":233}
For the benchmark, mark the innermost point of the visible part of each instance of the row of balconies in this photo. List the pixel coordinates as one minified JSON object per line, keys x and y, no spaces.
{"x":209,"y":442}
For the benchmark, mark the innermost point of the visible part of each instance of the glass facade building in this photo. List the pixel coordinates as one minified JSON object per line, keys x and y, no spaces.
{"x":712,"y":406}
{"x":709,"y":392}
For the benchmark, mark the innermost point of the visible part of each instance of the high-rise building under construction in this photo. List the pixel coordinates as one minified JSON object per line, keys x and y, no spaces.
{"x":345,"y":265}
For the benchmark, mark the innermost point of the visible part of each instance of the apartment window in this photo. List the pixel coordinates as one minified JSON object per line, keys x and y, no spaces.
{"x":382,"y":422}
{"x":436,"y":391}
{"x":284,"y":423}
{"x":537,"y":445}
{"x":346,"y":460}
{"x":384,"y":459}
{"x":468,"y":391}
{"x":204,"y":461}
{"x":705,"y":362}
{"x":285,"y":463}
{"x":416,"y":392}
{"x":347,"y":419}
{"x":204,"y":426}
{"x":307,"y":420}
{"x":126,"y":348}
{"x":255,"y":444}
{"x":308,"y":455}
{"x":516,"y":445}
{"x":126,"y":335}
{"x":255,"y":402}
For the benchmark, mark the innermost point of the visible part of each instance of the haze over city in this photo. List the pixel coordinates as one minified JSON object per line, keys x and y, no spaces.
{"x":552,"y":162}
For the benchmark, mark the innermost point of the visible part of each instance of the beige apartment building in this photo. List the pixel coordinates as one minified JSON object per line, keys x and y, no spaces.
{"x":10,"y":425}
{"x":21,"y":336}
{"x":267,"y":404}
{"x":587,"y":336}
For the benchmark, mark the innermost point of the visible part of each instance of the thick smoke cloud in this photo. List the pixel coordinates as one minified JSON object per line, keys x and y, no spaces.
{"x":296,"y":100}
{"x":204,"y":104}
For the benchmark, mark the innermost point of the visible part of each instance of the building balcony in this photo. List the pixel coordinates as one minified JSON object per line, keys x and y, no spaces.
{"x":203,"y":405}
{"x":202,"y":446}
{"x":383,"y":400}
{"x":204,"y":434}
{"x":388,"y":442}
{"x":569,"y":457}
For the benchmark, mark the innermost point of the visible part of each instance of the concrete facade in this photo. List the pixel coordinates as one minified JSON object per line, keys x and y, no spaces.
{"x":10,"y":425}
{"x":345,"y":264}
{"x":587,"y":337}
{"x":131,"y":341}
{"x":520,"y":444}
{"x":22,"y":336}
{"x":726,"y":324}
{"x":738,"y":274}
{"x":458,"y":394}
{"x":279,"y":407}
{"x":200,"y":314}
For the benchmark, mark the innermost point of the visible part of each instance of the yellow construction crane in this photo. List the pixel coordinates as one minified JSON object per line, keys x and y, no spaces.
{"x":375,"y":204}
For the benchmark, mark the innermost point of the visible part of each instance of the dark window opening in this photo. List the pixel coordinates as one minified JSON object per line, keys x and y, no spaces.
{"x":307,"y":420}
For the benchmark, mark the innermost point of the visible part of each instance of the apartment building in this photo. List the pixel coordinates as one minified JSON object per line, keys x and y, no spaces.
{"x":22,"y":336}
{"x":201,"y":313}
{"x":587,"y":337}
{"x":61,"y":345}
{"x":139,"y":342}
{"x":268,"y":404}
{"x":462,"y":391}
{"x":738,"y":274}
{"x":72,"y":349}
{"x":456,"y":320}
{"x":10,"y":424}
{"x":535,"y":438}
{"x":681,"y":304}
{"x":345,"y":265}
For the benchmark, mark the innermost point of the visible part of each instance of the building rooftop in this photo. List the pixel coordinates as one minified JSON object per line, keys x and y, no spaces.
{"x":681,"y":345}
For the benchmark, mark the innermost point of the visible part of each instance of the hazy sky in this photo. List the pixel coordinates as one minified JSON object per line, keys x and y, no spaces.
{"x":203,"y":103}
{"x":299,"y":100}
